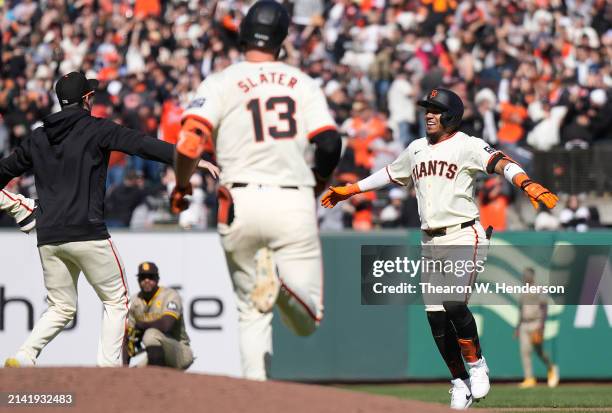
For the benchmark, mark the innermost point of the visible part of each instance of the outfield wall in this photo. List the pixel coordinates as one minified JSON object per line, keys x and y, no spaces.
{"x":354,"y":342}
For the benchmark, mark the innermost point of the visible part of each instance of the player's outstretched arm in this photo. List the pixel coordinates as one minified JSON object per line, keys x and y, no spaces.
{"x":515,"y":174}
{"x":336,"y":194}
{"x":192,"y":137}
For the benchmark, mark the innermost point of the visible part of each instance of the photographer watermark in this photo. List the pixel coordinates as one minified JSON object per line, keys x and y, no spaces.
{"x":565,"y":274}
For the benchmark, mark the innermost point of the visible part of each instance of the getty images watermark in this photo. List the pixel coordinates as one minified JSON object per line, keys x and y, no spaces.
{"x":563,"y":274}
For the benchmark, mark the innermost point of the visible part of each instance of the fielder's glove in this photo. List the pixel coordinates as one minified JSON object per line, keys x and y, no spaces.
{"x":537,"y":193}
{"x":134,"y":344}
{"x":178,"y":203}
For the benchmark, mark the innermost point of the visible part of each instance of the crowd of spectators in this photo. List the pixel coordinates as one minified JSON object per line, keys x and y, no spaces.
{"x":534,"y":75}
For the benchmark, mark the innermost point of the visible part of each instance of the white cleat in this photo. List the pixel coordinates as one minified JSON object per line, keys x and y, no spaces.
{"x":461,"y":397}
{"x":20,"y":360}
{"x":267,"y":284}
{"x":479,"y":379}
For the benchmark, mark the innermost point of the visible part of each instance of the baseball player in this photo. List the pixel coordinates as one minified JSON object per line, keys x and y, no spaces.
{"x":20,"y":208}
{"x":530,"y":332}
{"x":69,"y":156}
{"x":442,"y":167}
{"x":156,"y":320}
{"x":262,"y":115}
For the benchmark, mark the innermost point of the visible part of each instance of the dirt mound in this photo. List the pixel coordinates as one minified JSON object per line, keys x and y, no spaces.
{"x":154,"y":390}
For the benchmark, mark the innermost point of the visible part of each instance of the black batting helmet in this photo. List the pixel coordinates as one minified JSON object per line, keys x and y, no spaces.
{"x":265,"y":26}
{"x":448,"y":102}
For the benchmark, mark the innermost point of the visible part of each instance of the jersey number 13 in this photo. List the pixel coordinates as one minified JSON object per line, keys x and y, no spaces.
{"x":287,"y":115}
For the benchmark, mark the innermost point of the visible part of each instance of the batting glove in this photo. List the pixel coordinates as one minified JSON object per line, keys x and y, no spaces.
{"x":537,"y":193}
{"x":339,"y":193}
{"x":178,"y":203}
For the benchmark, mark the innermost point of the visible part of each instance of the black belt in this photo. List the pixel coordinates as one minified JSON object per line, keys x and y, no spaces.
{"x":244,"y":185}
{"x":442,"y":231}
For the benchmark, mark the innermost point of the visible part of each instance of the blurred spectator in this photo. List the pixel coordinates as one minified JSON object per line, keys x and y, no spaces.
{"x":123,"y":199}
{"x":385,"y":150}
{"x":391,"y":215}
{"x":493,"y":204}
{"x":545,"y":220}
{"x":574,"y":216}
{"x":402,"y":107}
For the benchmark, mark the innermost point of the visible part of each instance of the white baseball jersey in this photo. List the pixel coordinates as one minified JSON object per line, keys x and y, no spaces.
{"x":262,"y":115}
{"x":443,"y":176}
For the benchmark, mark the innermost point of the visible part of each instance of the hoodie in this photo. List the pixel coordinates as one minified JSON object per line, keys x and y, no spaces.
{"x":69,"y":157}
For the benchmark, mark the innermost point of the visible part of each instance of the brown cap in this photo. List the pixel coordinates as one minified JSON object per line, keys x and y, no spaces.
{"x":148,"y":268}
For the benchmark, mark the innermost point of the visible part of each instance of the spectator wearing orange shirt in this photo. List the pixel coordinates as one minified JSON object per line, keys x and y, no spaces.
{"x":362,"y":128}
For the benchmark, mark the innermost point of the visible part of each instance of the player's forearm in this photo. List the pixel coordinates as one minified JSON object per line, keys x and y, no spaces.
{"x":184,"y":168}
{"x":375,"y":181}
{"x":163,"y":324}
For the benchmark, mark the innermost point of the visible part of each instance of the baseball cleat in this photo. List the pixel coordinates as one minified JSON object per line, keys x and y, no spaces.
{"x":267,"y":284}
{"x":461,"y":397}
{"x":528,"y":383}
{"x":553,"y":376}
{"x":20,"y":360}
{"x":479,"y":379}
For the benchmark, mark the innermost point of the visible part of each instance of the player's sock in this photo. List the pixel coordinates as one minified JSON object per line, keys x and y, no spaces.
{"x":446,"y":340}
{"x":155,"y":356}
{"x":467,"y":332}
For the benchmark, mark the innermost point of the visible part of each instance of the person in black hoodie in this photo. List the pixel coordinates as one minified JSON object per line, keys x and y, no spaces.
{"x":69,"y":157}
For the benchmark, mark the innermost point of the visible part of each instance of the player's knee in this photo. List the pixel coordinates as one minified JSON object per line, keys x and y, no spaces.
{"x":65,"y":310}
{"x":437,"y":322}
{"x":458,"y":312}
{"x":152,"y":337}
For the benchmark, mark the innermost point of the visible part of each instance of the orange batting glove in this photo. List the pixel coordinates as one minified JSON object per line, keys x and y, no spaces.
{"x":536,"y":192}
{"x":339,"y":193}
{"x":178,"y":203}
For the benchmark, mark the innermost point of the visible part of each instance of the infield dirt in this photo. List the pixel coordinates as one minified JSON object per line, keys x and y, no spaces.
{"x":151,"y":390}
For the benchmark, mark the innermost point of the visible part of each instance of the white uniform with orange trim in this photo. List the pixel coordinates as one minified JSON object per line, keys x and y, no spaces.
{"x":16,"y":205}
{"x":443,"y":175}
{"x":262,"y":116}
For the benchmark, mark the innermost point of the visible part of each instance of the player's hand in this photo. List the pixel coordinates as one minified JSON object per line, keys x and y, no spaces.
{"x":320,"y":184}
{"x":211,"y":168}
{"x":537,"y":193}
{"x":134,"y":338}
{"x":338,"y":193}
{"x":178,"y":203}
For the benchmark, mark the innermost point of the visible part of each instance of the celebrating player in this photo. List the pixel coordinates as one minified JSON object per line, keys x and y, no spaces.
{"x":69,"y":156}
{"x":156,"y":320}
{"x":263,"y":115}
{"x":443,"y":167}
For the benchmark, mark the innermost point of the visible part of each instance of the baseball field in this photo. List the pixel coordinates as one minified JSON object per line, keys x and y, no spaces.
{"x":574,"y":398}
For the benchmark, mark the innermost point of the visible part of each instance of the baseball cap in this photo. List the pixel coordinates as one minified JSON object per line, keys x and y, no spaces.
{"x":73,"y":87}
{"x":147,"y":268}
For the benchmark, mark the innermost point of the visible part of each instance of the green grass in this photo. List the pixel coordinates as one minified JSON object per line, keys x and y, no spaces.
{"x":506,"y":395}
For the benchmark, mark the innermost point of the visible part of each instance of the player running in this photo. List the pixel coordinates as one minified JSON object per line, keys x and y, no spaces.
{"x":442,"y":168}
{"x":262,"y":115}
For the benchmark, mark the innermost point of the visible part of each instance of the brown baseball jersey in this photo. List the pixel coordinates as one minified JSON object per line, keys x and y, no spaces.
{"x":166,"y":301}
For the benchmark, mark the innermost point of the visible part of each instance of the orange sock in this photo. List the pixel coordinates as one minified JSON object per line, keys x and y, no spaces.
{"x":469,"y":350}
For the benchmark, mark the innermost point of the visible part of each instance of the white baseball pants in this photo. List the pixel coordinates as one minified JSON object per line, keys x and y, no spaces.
{"x":16,"y":205}
{"x":468,"y":244}
{"x":104,"y":270}
{"x":283,"y":220}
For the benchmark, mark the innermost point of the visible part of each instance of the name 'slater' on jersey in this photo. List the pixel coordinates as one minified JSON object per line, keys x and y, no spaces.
{"x":443,"y":175}
{"x":263,"y":115}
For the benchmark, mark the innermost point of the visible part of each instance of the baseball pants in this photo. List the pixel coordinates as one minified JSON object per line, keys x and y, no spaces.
{"x":526,"y":330}
{"x":465,"y":245}
{"x":176,"y":353}
{"x":16,"y":205}
{"x":283,"y":220}
{"x":62,"y":263}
